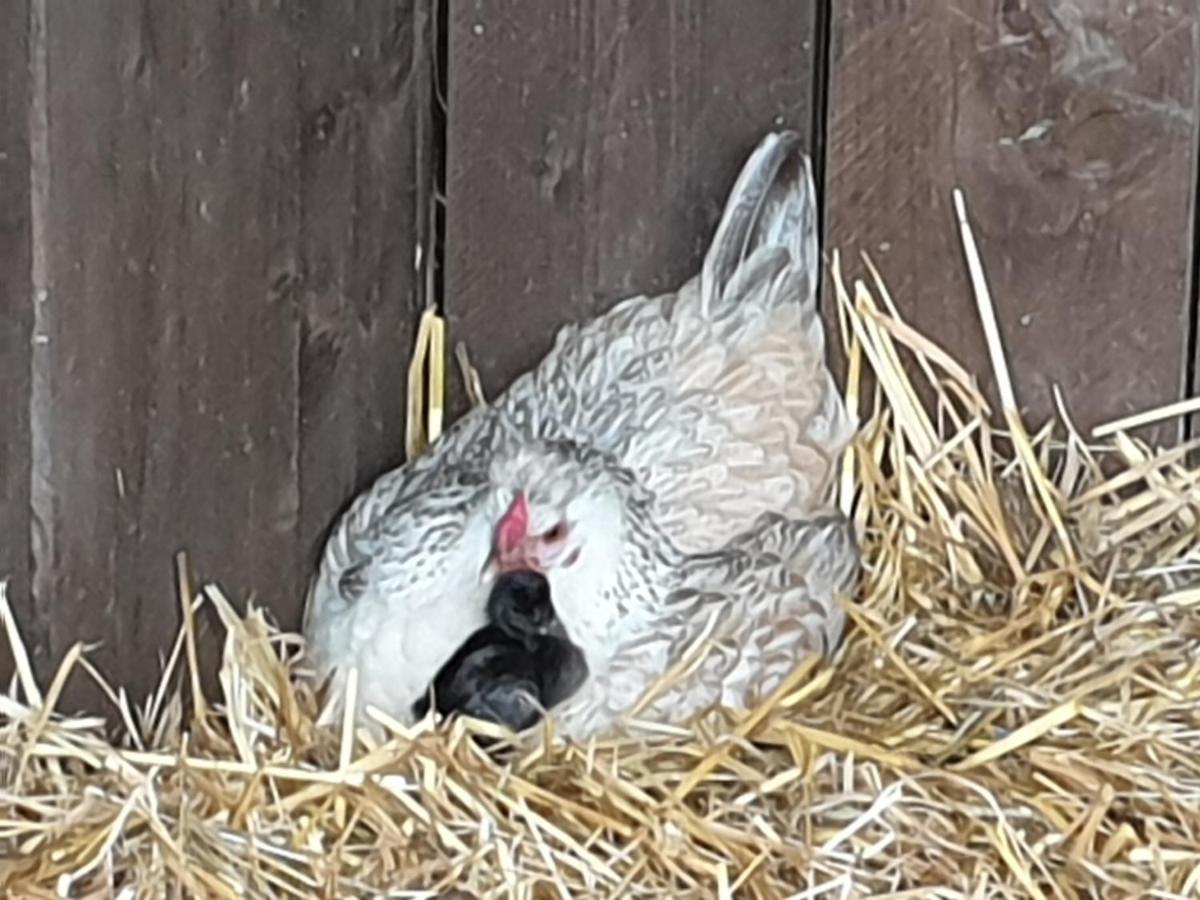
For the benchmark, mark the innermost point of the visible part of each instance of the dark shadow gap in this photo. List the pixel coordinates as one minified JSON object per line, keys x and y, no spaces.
{"x":439,"y":119}
{"x":1190,"y":426}
{"x":822,"y":75}
{"x":433,"y":47}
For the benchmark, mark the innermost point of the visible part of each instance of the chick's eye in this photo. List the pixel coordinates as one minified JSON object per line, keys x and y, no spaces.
{"x":555,"y":534}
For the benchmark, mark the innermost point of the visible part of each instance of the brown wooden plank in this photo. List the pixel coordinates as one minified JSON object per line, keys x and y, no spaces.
{"x":1071,"y":127}
{"x":590,"y":146}
{"x":167,"y":386}
{"x":16,"y":310}
{"x":365,"y":98}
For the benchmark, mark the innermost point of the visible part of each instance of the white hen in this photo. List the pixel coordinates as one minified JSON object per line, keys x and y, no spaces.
{"x":709,"y":407}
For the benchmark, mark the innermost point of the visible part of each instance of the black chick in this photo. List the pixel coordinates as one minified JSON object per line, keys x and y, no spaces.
{"x":515,"y":667}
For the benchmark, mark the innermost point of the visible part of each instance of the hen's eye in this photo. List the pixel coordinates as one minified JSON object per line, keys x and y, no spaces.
{"x":557,"y":533}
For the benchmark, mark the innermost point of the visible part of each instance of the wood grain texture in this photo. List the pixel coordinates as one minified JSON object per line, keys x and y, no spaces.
{"x":166,"y":389}
{"x":366,"y":176}
{"x":1071,"y":127}
{"x":590,"y":147}
{"x":217,"y":209}
{"x":16,"y":319}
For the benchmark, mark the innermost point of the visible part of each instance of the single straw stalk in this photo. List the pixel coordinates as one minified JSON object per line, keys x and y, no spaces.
{"x":1008,"y":400}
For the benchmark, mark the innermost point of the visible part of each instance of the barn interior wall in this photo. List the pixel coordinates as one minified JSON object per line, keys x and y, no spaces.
{"x":240,"y":215}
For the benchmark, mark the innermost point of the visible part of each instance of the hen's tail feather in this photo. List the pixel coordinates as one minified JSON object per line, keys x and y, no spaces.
{"x":772,"y":204}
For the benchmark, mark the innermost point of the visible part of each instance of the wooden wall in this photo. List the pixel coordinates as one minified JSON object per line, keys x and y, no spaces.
{"x":223,"y":205}
{"x":589,"y":151}
{"x":16,"y":312}
{"x":1071,"y":126}
{"x":217,"y":224}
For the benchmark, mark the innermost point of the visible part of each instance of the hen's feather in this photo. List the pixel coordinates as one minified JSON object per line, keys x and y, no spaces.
{"x":763,"y":603}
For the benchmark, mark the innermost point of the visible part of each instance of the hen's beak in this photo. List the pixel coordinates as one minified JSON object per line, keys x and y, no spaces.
{"x":510,"y":550}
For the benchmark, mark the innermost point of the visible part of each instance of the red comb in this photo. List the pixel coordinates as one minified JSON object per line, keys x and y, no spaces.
{"x":513,"y":525}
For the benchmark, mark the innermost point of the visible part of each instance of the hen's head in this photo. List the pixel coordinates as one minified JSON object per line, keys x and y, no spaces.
{"x":561,"y":511}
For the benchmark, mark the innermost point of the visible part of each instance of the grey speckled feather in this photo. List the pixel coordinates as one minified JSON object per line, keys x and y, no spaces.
{"x":704,"y":409}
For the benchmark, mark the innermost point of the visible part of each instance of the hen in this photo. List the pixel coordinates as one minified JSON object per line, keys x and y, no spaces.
{"x":705,"y":408}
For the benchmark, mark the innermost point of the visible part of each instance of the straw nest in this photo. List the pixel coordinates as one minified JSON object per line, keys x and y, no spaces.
{"x":1015,"y":712}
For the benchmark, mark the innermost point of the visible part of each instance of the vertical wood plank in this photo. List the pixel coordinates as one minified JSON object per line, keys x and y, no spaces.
{"x":16,"y":307}
{"x":365,"y":93}
{"x":166,"y":388}
{"x":1071,"y":127}
{"x":590,"y":146}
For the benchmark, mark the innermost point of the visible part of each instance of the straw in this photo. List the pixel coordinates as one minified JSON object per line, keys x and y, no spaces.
{"x":1149,"y":417}
{"x":1013,"y":712}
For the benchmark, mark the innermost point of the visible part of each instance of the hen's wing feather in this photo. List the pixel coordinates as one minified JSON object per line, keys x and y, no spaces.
{"x":766,"y":601}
